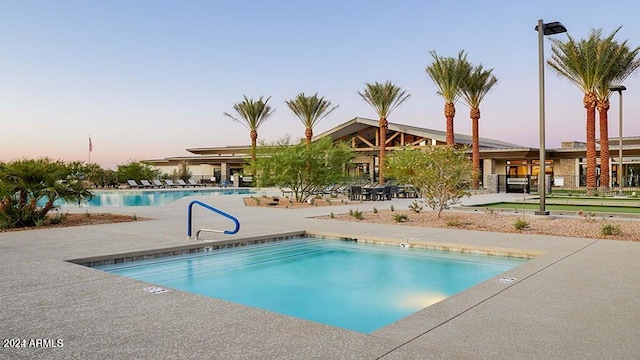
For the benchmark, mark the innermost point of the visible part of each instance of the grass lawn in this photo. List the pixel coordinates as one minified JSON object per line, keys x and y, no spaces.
{"x":567,"y":207}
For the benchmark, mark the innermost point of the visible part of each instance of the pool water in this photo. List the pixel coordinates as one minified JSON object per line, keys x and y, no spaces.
{"x":150,"y":198}
{"x":345,"y":284}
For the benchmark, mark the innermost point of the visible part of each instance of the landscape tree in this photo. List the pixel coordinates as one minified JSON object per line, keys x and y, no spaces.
{"x":183,"y":172}
{"x":477,"y":84}
{"x":624,"y":61}
{"x":449,"y":74}
{"x":440,"y":174}
{"x":285,"y":165}
{"x":310,"y":110}
{"x":30,"y":188}
{"x":383,"y":98}
{"x":136,"y":170}
{"x":586,"y":63}
{"x":251,"y":114}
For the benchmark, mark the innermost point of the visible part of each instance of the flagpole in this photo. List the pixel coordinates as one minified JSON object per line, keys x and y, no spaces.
{"x":90,"y":149}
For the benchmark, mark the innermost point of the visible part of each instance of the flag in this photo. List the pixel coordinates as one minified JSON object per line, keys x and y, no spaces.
{"x":90,"y":144}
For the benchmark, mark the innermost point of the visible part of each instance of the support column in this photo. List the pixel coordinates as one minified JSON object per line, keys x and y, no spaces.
{"x":224,"y":172}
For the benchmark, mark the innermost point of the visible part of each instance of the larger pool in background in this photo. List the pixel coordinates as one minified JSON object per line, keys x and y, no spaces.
{"x":341,"y":283}
{"x":150,"y":197}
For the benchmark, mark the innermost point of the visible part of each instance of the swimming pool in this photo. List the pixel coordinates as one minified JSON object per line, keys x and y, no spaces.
{"x":150,"y":198}
{"x":346,"y":284}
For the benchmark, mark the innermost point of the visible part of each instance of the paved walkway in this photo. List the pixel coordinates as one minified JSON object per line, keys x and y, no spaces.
{"x":580,"y":300}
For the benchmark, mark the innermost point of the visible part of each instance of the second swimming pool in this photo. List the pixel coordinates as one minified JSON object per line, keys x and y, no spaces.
{"x":345,"y":284}
{"x":151,"y":197}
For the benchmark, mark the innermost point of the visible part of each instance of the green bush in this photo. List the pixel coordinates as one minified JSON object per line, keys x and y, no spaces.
{"x":57,"y":218}
{"x":375,"y":210}
{"x":454,"y":223}
{"x":415,"y":207}
{"x":610,"y":229}
{"x":400,"y":217}
{"x":520,"y":224}
{"x":30,"y":188}
{"x":356,"y":214}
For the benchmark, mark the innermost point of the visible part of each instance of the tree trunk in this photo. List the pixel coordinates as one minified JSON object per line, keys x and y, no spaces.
{"x":590,"y":106}
{"x":450,"y":113}
{"x":254,"y":140}
{"x":475,"y":145}
{"x":603,"y":112}
{"x":308,"y":133}
{"x":383,"y":148}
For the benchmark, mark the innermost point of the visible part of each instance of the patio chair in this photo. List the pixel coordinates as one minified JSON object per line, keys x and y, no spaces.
{"x":170,"y":183}
{"x":181,"y":183}
{"x":133,"y":184}
{"x":193,"y":183}
{"x":158,"y":183}
{"x":146,"y":183}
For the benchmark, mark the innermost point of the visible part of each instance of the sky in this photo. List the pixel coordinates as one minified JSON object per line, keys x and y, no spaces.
{"x":149,"y":79}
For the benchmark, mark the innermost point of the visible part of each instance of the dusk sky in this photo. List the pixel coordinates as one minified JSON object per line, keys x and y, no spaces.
{"x":148,"y":79}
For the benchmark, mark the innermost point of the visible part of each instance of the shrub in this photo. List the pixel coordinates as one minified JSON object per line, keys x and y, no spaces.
{"x":520,"y":224}
{"x":332,"y":216}
{"x":356,"y":214}
{"x":87,"y":214}
{"x":610,"y":229}
{"x":415,"y":207}
{"x":454,"y":223}
{"x":375,"y":210}
{"x":134,"y":217}
{"x":392,"y":208}
{"x":400,"y":217}
{"x":29,"y":189}
{"x":57,"y":218}
{"x":490,"y":211}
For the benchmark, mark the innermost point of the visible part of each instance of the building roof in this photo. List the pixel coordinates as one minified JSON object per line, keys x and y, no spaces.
{"x":358,"y":124}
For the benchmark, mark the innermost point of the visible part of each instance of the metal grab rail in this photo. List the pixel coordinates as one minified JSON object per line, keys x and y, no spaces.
{"x":190,"y":218}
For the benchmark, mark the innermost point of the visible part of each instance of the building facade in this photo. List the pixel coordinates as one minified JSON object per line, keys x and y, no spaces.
{"x":504,"y":166}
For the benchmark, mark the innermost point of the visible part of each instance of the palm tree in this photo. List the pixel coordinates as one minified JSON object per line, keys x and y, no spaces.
{"x":383,"y":98}
{"x":585,"y":63}
{"x":623,"y":62}
{"x":310,"y":110}
{"x":252,"y":114}
{"x":448,"y":75}
{"x":474,"y":88}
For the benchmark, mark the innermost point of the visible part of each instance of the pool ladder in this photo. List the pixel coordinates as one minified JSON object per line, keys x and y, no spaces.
{"x":190,"y":220}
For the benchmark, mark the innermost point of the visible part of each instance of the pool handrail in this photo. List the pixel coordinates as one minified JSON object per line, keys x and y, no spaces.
{"x":209,"y":207}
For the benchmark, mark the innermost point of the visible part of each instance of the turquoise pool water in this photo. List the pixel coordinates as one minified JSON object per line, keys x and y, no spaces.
{"x":150,"y":198}
{"x":345,"y":284}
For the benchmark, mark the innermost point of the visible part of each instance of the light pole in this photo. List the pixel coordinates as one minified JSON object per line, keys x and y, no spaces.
{"x":619,"y":89}
{"x":543,"y":29}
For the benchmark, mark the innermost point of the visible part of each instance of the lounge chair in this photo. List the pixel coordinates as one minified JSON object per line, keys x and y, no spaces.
{"x":133,"y":184}
{"x":170,"y":183}
{"x":158,"y":183}
{"x":181,"y":183}
{"x":193,"y":183}
{"x":146,"y":183}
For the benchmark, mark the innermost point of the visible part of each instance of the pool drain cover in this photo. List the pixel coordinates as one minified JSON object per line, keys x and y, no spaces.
{"x":155,"y":290}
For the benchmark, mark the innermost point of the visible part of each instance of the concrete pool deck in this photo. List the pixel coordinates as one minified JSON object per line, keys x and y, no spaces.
{"x":579,"y":300}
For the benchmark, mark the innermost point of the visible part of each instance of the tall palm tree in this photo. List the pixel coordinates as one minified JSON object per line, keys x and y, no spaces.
{"x":585,"y":63}
{"x":478,"y":83}
{"x":383,"y":98}
{"x":251,"y":114}
{"x":310,"y":110}
{"x":448,"y":75}
{"x":623,"y":62}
